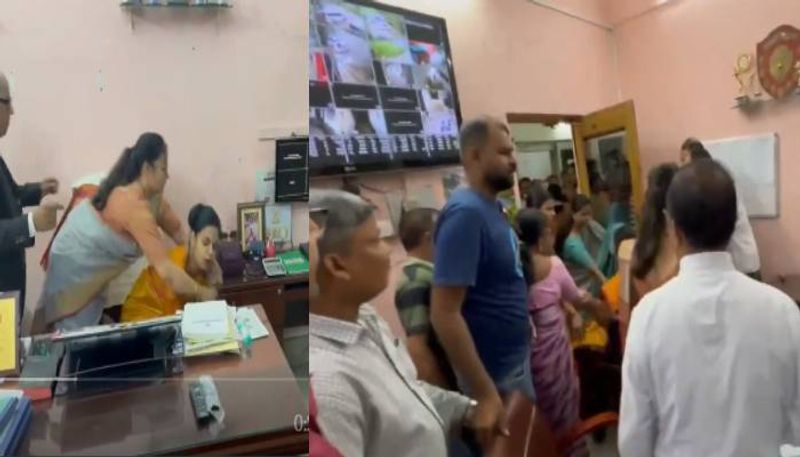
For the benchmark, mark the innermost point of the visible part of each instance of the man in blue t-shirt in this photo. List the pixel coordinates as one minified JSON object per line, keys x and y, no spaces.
{"x":479,"y":300}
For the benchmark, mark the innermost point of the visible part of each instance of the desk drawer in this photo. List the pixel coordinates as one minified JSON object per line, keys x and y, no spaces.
{"x":263,"y":296}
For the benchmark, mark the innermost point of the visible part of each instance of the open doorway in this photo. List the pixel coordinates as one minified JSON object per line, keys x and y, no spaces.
{"x":545,"y":153}
{"x":596,"y":155}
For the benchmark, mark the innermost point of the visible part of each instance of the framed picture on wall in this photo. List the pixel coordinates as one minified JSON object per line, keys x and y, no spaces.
{"x":278,"y":223}
{"x":250,"y":217}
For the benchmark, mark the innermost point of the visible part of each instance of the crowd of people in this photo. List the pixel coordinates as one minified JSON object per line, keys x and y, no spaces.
{"x":104,"y":232}
{"x":707,"y":356}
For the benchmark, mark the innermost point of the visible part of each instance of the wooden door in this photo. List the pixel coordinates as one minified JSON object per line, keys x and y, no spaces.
{"x":620,"y":120}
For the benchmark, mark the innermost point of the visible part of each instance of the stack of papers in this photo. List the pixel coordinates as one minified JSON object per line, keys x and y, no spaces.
{"x":208,"y":328}
{"x":15,"y":416}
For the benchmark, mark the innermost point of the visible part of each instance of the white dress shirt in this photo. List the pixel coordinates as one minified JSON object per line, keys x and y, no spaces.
{"x":31,"y":226}
{"x":711,"y":366}
{"x":743,"y":245}
{"x":369,"y":399}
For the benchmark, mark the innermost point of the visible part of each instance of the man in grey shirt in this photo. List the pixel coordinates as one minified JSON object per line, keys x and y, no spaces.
{"x":365,"y":384}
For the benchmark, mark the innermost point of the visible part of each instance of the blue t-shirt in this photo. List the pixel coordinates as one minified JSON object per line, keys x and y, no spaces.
{"x":477,"y":248}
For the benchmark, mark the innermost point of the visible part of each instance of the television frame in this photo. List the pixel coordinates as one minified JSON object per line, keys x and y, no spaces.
{"x":349,"y":170}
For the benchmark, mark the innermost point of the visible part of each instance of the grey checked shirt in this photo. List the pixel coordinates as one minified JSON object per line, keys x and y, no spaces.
{"x":370,"y":401}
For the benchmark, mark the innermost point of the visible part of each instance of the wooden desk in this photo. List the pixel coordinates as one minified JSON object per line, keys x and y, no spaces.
{"x":274,"y":294}
{"x":260,"y":396}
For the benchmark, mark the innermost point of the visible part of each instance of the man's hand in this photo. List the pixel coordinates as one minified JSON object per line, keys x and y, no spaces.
{"x":49,"y":186}
{"x":487,"y":420}
{"x":46,"y":215}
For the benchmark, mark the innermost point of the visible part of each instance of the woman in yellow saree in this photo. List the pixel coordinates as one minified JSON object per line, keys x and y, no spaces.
{"x":152,"y":297}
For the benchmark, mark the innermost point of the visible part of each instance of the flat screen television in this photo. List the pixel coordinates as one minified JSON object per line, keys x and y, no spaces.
{"x":382,"y":91}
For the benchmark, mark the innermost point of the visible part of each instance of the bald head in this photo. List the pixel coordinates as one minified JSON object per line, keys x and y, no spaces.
{"x":702,"y":202}
{"x":6,"y":110}
{"x":475,"y":133}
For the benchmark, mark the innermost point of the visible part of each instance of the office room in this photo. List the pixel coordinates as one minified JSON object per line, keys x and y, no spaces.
{"x":160,"y":141}
{"x":653,"y":162}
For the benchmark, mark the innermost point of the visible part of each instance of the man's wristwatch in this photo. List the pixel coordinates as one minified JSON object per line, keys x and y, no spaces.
{"x":469,"y":413}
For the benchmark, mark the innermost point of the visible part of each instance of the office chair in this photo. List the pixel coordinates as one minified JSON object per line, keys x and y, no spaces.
{"x":531,"y":435}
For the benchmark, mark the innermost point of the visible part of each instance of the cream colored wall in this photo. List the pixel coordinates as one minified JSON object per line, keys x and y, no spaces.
{"x":85,"y":85}
{"x":677,"y":63}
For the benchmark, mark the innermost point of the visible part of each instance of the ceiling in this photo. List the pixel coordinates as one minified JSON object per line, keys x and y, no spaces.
{"x":608,"y":13}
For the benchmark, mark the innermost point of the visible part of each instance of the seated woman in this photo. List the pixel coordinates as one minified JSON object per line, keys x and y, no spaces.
{"x":104,"y":235}
{"x":152,"y":297}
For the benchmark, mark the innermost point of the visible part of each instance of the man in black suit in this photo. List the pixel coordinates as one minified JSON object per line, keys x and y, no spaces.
{"x":18,"y":230}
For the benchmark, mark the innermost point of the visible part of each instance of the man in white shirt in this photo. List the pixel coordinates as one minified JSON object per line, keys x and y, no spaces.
{"x":364,"y":381}
{"x":743,"y":247}
{"x":712,"y":358}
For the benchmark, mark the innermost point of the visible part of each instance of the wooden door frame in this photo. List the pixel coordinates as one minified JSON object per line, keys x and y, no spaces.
{"x":548,"y":119}
{"x":610,"y":120}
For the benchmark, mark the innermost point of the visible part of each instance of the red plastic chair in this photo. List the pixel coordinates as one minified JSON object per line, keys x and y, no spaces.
{"x":531,"y":435}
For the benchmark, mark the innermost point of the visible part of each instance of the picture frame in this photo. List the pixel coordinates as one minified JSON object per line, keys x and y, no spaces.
{"x":278,"y":223}
{"x":9,"y":333}
{"x":250,"y":222}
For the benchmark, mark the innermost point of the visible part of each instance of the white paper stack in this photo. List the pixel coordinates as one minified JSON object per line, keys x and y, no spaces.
{"x":208,"y":328}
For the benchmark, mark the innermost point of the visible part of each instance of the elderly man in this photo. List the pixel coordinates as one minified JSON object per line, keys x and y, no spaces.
{"x":317,"y":444}
{"x":370,"y":400}
{"x":18,"y":231}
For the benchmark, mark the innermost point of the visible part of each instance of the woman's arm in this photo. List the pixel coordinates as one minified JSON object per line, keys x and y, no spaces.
{"x":170,"y":223}
{"x":580,"y":298}
{"x":182,"y":284}
{"x":142,"y":226}
{"x":599,"y":309}
{"x":574,"y":319}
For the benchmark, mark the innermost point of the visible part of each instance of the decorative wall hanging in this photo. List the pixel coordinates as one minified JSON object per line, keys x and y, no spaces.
{"x":777,"y":65}
{"x":745,"y":73}
{"x":777,"y":58}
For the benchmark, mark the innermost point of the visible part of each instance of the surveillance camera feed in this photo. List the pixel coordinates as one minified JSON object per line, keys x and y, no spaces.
{"x":381,"y":89}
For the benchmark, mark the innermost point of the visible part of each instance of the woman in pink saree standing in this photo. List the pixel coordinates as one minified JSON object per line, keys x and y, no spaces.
{"x":554,"y":376}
